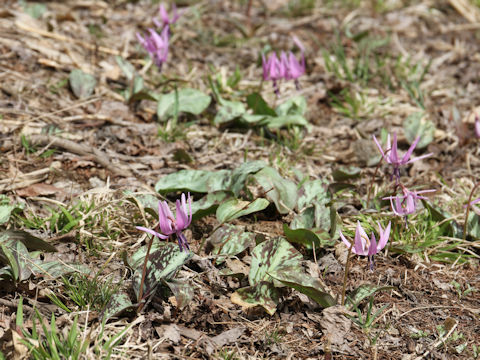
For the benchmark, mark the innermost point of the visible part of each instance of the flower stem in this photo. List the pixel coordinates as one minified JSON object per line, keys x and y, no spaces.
{"x":373,"y":180}
{"x":468,"y":210}
{"x":144,"y":271}
{"x":346,"y":274}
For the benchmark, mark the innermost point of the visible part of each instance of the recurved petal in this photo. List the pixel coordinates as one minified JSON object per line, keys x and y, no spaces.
{"x":164,"y":218}
{"x":360,"y":240}
{"x":152,"y":232}
{"x":384,"y":235}
{"x":372,"y":249}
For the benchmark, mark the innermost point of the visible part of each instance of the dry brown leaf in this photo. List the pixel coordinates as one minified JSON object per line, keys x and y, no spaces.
{"x":41,"y":189}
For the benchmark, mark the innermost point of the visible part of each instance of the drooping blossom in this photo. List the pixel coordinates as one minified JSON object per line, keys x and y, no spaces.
{"x":168,"y":225}
{"x":406,"y":204}
{"x":390,"y":155}
{"x":364,"y":246}
{"x":476,"y":201}
{"x":156,"y":45}
{"x":286,"y":66}
{"x":165,"y":19}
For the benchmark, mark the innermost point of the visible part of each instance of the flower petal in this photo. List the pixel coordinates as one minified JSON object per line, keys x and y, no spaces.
{"x":384,"y":235}
{"x":152,"y":232}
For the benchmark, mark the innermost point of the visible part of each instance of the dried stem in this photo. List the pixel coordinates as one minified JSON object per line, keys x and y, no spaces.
{"x":144,"y":271}
{"x":346,"y":274}
{"x":468,"y":210}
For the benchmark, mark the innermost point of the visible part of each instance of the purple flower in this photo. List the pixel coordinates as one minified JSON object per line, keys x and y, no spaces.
{"x":391,"y":154}
{"x":285,"y":67}
{"x":165,"y":19}
{"x":169,"y":225}
{"x":406,"y":204}
{"x":156,"y":45}
{"x":368,"y":247}
{"x":476,"y":201}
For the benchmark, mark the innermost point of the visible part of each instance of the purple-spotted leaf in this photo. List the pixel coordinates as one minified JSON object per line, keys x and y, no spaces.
{"x":14,"y":255}
{"x":262,"y":294}
{"x":307,"y":237}
{"x":208,"y":204}
{"x":201,"y":181}
{"x":346,"y":173}
{"x":183,"y":292}
{"x":119,"y":302}
{"x":162,"y":265}
{"x":281,"y":191}
{"x":313,"y":197}
{"x":230,"y":240}
{"x":240,"y":174}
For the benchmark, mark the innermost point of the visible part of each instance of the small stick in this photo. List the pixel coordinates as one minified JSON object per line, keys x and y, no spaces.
{"x":346,"y":274}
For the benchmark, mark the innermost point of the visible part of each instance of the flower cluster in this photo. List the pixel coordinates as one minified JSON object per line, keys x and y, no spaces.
{"x":157,"y":44}
{"x":168,"y":224}
{"x":286,"y":66}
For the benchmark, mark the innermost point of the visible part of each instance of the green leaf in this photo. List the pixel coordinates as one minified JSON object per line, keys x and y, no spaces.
{"x":30,"y":241}
{"x":15,"y":255}
{"x":82,"y":84}
{"x":34,"y":9}
{"x":127,"y":68}
{"x":240,"y":174}
{"x":415,"y":125}
{"x":235,"y":208}
{"x":296,"y":105}
{"x":307,"y":237}
{"x":473,"y":225}
{"x":230,"y":240}
{"x":183,"y":292}
{"x":262,"y":294}
{"x":228,"y":111}
{"x":259,"y":105}
{"x":189,"y":100}
{"x":346,"y":173}
{"x":273,"y":257}
{"x":162,"y":265}
{"x":278,"y":122}
{"x":55,"y":269}
{"x":279,"y":190}
{"x":208,"y":204}
{"x":118,"y":303}
{"x":362,"y":292}
{"x":136,"y":260}
{"x":308,"y":286}
{"x":253,"y":119}
{"x":313,"y":198}
{"x":201,"y":181}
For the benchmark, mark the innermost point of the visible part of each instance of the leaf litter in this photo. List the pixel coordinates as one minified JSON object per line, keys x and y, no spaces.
{"x":93,"y":137}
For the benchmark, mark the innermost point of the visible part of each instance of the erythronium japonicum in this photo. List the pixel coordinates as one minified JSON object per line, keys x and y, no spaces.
{"x":390,"y":155}
{"x":286,"y":66}
{"x":165,"y":18}
{"x":169,"y":225}
{"x":477,"y":126}
{"x":406,"y":204}
{"x":364,"y":246}
{"x":156,"y":45}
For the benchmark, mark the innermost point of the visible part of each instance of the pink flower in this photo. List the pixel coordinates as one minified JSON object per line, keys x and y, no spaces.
{"x":367,"y":247}
{"x":169,"y":225}
{"x":156,"y":45}
{"x":406,"y":204}
{"x":165,"y":18}
{"x":391,"y":154}
{"x":477,"y":126}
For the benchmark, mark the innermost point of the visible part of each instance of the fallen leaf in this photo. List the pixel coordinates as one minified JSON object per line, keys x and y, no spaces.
{"x":40,"y":189}
{"x":334,"y":324}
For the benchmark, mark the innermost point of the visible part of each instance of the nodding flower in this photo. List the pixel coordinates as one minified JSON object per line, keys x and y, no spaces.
{"x":165,"y":19}
{"x":390,"y":155}
{"x":168,"y":224}
{"x":156,"y":45}
{"x":406,"y":204}
{"x":286,"y":66}
{"x":364,"y":246}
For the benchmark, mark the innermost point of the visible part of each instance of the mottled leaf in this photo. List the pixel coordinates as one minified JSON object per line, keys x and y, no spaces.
{"x":55,"y":269}
{"x":228,"y":111}
{"x":307,"y":237}
{"x":235,"y":208}
{"x":263,"y":294}
{"x":118,"y":303}
{"x":201,"y":181}
{"x":281,"y":191}
{"x":346,"y":173}
{"x":82,"y":84}
{"x":127,"y":68}
{"x":6,"y":209}
{"x":296,"y":105}
{"x":259,"y":105}
{"x":308,"y":286}
{"x":208,"y":204}
{"x":230,"y":240}
{"x":240,"y":174}
{"x":189,"y":100}
{"x":30,"y":241}
{"x":162,"y":265}
{"x":278,"y":122}
{"x":183,"y":292}
{"x":473,"y":225}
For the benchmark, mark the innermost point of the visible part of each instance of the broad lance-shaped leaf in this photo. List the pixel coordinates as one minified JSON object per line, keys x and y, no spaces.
{"x":308,"y":286}
{"x":259,"y":105}
{"x":416,"y":125}
{"x":230,"y":240}
{"x":346,"y":173}
{"x":208,"y":204}
{"x":281,"y":191}
{"x":262,"y":294}
{"x":15,"y":255}
{"x":228,"y":111}
{"x":200,"y":181}
{"x":296,"y":105}
{"x":235,"y":208}
{"x":162,"y":265}
{"x":189,"y":100}
{"x":118,"y":303}
{"x":240,"y":174}
{"x":82,"y":84}
{"x":307,"y":237}
{"x":183,"y":292}
{"x":30,"y":241}
{"x":272,"y":257}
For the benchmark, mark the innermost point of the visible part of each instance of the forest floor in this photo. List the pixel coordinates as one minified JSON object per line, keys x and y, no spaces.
{"x":93,"y":134}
